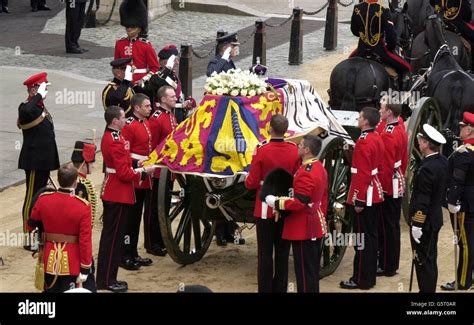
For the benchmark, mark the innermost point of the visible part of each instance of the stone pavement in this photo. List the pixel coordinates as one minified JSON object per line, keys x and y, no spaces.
{"x":34,"y":41}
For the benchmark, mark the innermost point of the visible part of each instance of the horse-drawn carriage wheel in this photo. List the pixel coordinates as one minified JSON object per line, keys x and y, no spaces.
{"x":339,"y":219}
{"x":186,"y":229}
{"x":426,"y":111}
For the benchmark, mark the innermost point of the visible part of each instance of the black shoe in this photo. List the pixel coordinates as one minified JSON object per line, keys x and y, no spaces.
{"x":450,"y":286}
{"x":157,"y":251}
{"x":29,"y":248}
{"x":381,"y":272}
{"x":83,"y":50}
{"x":44,"y":8}
{"x":34,"y":9}
{"x":130,"y":265}
{"x":74,"y":51}
{"x":235,"y":240}
{"x":116,"y":287}
{"x":351,"y":284}
{"x":5,"y":10}
{"x":221,"y":241}
{"x":143,"y":261}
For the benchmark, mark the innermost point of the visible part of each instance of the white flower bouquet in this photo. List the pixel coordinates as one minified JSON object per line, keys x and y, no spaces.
{"x":235,"y":82}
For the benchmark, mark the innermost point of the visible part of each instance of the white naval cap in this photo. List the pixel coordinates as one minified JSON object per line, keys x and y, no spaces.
{"x":432,"y":135}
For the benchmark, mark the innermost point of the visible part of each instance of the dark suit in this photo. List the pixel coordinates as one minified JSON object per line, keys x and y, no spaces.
{"x":39,"y":153}
{"x":75,"y":14}
{"x":218,"y":64}
{"x":429,"y":187}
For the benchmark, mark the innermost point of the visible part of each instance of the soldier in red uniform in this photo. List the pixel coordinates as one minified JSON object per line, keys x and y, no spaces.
{"x":137,"y":135}
{"x":366,"y":194}
{"x":39,"y":153}
{"x":118,"y":197}
{"x":392,"y":179}
{"x":133,"y":16}
{"x":162,"y":123}
{"x":306,"y":225}
{"x":65,"y":220}
{"x":272,"y":275}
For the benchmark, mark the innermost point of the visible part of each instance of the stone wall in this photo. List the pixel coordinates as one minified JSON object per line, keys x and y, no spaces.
{"x":155,"y":8}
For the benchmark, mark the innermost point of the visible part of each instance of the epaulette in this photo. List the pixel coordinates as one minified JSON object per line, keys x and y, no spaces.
{"x":112,"y":84}
{"x":363,"y":135}
{"x":144,"y":40}
{"x":308,"y":167}
{"x":261,"y":144}
{"x":130,"y":120}
{"x":389,"y":128}
{"x":81,"y":199}
{"x":157,"y":113}
{"x":115,"y":136}
{"x":464,"y":148}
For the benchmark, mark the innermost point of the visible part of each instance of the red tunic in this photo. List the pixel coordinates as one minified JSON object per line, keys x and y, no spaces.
{"x":142,"y":53}
{"x":367,"y":162}
{"x":395,"y":159}
{"x":137,"y":137}
{"x":66,"y":214}
{"x":162,"y":123}
{"x":119,"y":174}
{"x":267,"y":157}
{"x":308,"y":205}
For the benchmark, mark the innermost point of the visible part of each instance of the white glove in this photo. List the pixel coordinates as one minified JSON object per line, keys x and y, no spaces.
{"x":454,"y":208}
{"x":226,"y":54}
{"x":42,"y":90}
{"x":128,"y":73}
{"x":416,"y":233}
{"x":270,"y":200}
{"x":171,"y":61}
{"x":81,"y":278}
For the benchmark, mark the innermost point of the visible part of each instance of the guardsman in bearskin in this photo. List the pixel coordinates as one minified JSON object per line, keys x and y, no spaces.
{"x":366,"y":195}
{"x":134,"y":17}
{"x":306,"y":224}
{"x":137,"y":135}
{"x":429,"y":186}
{"x":457,"y":15}
{"x":118,"y":198}
{"x":272,"y":275}
{"x":162,"y":123}
{"x":461,"y":202}
{"x":168,"y":75}
{"x":392,"y":179}
{"x":39,"y":153}
{"x":227,"y":49}
{"x":119,"y":91}
{"x":65,"y":220}
{"x":372,"y":23}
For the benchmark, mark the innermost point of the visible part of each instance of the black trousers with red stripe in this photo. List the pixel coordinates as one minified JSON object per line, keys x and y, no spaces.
{"x":111,"y":242}
{"x":153,"y":237}
{"x":35,"y":180}
{"x":142,"y":206}
{"x":389,"y":234}
{"x":365,"y":259}
{"x":272,"y":272}
{"x":389,"y":58}
{"x":306,"y":257}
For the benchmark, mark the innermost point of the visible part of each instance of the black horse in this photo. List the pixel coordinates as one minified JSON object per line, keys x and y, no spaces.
{"x":418,"y":11}
{"x":426,"y":44}
{"x":358,"y":82}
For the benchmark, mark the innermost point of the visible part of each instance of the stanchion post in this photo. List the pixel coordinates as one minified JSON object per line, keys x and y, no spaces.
{"x":186,"y":69}
{"x":330,"y":32}
{"x":260,"y":43}
{"x":296,"y":38}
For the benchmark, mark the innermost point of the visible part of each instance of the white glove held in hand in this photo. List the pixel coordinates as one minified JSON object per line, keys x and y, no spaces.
{"x":454,"y":208}
{"x":128,"y":73}
{"x":226,"y":54}
{"x":81,"y":278}
{"x":416,"y":233}
{"x":171,"y":61}
{"x":42,"y":90}
{"x":270,"y":200}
